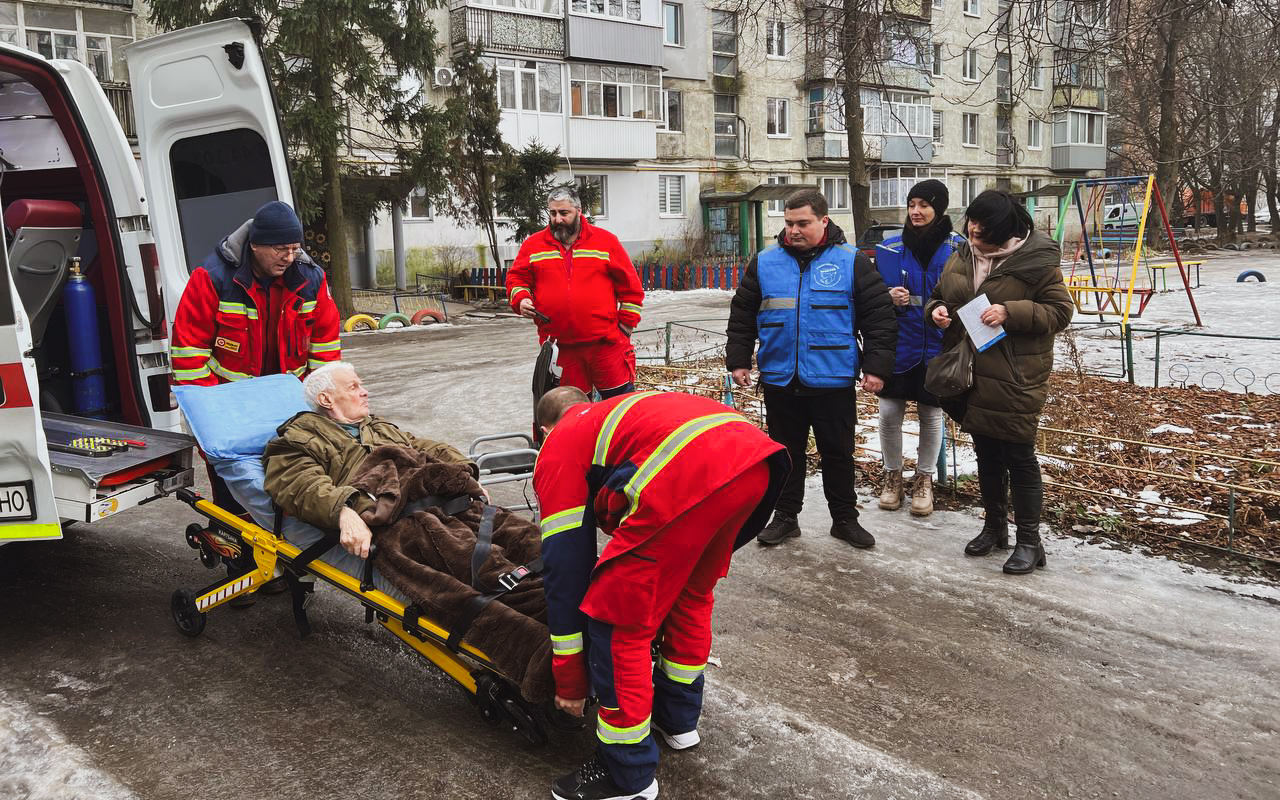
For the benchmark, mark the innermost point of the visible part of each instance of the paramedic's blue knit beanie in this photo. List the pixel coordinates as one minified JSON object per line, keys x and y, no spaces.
{"x":275,"y":223}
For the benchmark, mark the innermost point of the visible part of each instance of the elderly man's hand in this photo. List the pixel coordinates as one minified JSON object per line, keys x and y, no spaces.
{"x":355,"y":536}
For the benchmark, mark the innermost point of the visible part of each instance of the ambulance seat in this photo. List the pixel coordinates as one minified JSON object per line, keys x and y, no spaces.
{"x":43,"y":235}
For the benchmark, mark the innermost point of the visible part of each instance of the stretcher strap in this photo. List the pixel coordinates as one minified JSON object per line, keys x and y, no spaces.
{"x":506,"y":582}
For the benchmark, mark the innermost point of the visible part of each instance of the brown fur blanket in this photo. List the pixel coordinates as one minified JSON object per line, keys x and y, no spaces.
{"x":427,"y":555}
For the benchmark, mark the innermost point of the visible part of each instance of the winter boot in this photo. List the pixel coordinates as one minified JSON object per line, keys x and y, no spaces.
{"x":922,"y":495}
{"x":784,"y":526}
{"x":891,"y":493}
{"x":851,"y":531}
{"x":995,"y":530}
{"x":1028,"y":555}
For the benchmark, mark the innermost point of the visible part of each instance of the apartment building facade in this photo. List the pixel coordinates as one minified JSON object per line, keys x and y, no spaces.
{"x":677,"y":110}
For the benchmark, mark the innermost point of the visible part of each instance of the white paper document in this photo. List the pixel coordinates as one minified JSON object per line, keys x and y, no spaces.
{"x":982,"y":336}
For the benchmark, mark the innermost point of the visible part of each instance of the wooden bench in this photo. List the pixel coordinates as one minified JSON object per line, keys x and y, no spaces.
{"x":1109,"y":299}
{"x":1165,"y":266}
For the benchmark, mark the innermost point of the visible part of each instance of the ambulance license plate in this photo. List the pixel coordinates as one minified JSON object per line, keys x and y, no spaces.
{"x":16,"y":501}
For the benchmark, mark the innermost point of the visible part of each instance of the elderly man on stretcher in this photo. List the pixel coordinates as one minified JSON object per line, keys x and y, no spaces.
{"x":340,"y":468}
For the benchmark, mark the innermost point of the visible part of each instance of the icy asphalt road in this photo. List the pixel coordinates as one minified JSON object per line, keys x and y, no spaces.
{"x":907,"y":671}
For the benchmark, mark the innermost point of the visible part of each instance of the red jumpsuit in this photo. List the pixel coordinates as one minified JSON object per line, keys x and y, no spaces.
{"x":586,"y":293}
{"x":679,"y":482}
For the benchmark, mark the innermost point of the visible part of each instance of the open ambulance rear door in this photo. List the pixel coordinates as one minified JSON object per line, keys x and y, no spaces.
{"x":211,"y":147}
{"x":27,"y":506}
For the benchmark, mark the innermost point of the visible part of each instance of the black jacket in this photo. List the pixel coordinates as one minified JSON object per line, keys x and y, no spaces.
{"x":874,"y":316}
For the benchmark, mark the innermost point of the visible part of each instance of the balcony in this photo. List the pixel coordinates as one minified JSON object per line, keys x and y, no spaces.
{"x":503,"y":31}
{"x":121,"y":99}
{"x":593,"y":38}
{"x":1078,"y":157}
{"x":624,"y":140}
{"x":832,"y":146}
{"x":1068,"y":96}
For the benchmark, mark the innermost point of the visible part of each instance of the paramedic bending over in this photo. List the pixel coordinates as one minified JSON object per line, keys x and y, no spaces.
{"x":310,"y":466}
{"x":700,"y":480}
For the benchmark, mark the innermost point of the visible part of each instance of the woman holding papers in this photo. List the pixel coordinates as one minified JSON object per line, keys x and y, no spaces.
{"x":910,"y":265}
{"x":1003,"y":289}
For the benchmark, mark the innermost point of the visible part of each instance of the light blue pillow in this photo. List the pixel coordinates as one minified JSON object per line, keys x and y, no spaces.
{"x":235,"y":420}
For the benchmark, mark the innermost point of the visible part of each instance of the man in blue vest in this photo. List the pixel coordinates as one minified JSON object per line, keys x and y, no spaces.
{"x":808,"y":300}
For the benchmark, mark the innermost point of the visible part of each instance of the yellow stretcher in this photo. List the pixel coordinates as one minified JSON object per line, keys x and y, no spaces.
{"x":498,"y":699}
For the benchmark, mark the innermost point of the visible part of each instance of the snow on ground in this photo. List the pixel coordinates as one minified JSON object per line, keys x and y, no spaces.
{"x":38,"y":763}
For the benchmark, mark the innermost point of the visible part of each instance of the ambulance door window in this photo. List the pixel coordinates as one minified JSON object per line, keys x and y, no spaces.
{"x":219,"y":180}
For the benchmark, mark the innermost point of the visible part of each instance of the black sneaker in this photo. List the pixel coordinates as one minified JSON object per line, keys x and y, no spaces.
{"x":852,"y":532}
{"x":591,"y":781}
{"x":782,"y":527}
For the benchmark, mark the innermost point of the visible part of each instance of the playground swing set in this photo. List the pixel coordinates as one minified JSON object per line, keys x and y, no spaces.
{"x":1109,"y":233}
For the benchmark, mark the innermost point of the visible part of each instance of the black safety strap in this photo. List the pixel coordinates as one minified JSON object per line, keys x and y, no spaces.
{"x":506,"y":582}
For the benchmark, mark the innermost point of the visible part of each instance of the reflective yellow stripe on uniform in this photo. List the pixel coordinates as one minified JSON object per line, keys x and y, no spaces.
{"x":680,"y":673}
{"x":312,"y":363}
{"x":515,"y":290}
{"x":611,"y":734}
{"x":29,"y":531}
{"x":634,"y":308}
{"x":223,"y":372}
{"x":237,"y":308}
{"x":611,"y":424}
{"x":326,"y":347}
{"x":567,"y":644}
{"x":307,"y":307}
{"x":544,"y":255}
{"x":191,"y":374}
{"x":189,"y":352}
{"x":562,"y":521}
{"x":676,"y":441}
{"x":592,"y":253}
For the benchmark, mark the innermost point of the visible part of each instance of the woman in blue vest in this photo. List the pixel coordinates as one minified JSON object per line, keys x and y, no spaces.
{"x":910,"y":265}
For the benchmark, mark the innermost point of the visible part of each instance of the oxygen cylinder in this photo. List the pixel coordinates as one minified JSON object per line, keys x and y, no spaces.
{"x":88,"y":387}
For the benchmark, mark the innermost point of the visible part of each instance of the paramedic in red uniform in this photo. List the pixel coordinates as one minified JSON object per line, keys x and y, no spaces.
{"x":258,"y":305}
{"x":679,"y":482}
{"x":578,"y":282}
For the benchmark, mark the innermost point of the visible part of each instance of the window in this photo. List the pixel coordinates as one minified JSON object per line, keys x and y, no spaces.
{"x":671,"y":195}
{"x":904,"y":43}
{"x":897,"y":114}
{"x":968,"y":190}
{"x":1004,"y":78}
{"x":675,"y":111}
{"x":1079,"y":127}
{"x":826,"y":109}
{"x":776,"y":113}
{"x":419,"y":204}
{"x":597,"y":187}
{"x":604,"y":90}
{"x":724,"y":43}
{"x":528,"y":85}
{"x":935,"y":68}
{"x":1033,"y":185}
{"x":552,"y":7}
{"x":937,"y":129}
{"x":726,"y":125}
{"x":94,"y":37}
{"x":969,"y":128}
{"x":622,"y":9}
{"x":1004,"y":140}
{"x":836,"y":190}
{"x":969,"y":65}
{"x":775,"y":38}
{"x":776,"y":206}
{"x":1037,"y":76}
{"x":890,"y":185}
{"x":1076,"y":69}
{"x":1035,"y":134}
{"x":972,"y":8}
{"x":673,"y":24}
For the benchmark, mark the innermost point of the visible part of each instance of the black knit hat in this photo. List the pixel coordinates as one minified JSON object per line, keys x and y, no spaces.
{"x":932,"y":192}
{"x":275,"y":223}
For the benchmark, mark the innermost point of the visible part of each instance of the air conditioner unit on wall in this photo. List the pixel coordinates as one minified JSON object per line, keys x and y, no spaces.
{"x":442,"y":77}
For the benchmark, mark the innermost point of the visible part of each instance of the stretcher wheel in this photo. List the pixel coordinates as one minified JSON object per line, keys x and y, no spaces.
{"x":524,"y":723}
{"x":398,"y":319}
{"x":186,"y":616}
{"x":193,"y":535}
{"x":360,"y":322}
{"x":427,"y":316}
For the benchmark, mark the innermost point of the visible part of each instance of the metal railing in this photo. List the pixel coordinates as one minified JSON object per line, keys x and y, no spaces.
{"x":120,"y":96}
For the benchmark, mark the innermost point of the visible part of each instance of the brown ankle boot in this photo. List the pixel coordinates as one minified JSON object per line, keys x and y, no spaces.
{"x":891,"y":493}
{"x":922,"y":495}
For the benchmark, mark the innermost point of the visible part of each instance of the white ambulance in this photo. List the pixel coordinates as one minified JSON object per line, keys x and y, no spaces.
{"x":73,"y":199}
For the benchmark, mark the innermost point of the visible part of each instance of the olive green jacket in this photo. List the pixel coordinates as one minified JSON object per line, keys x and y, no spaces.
{"x":1010,"y":378}
{"x":312,"y":461}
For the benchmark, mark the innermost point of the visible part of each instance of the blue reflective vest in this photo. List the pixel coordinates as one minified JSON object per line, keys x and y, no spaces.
{"x":917,"y":341}
{"x":806,"y":320}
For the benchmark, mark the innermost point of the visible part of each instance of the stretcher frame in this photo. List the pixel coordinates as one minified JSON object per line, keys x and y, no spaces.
{"x":495,"y":695}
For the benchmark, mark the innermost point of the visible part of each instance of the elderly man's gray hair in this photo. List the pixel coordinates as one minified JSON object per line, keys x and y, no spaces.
{"x":322,"y":379}
{"x":565,"y":193}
